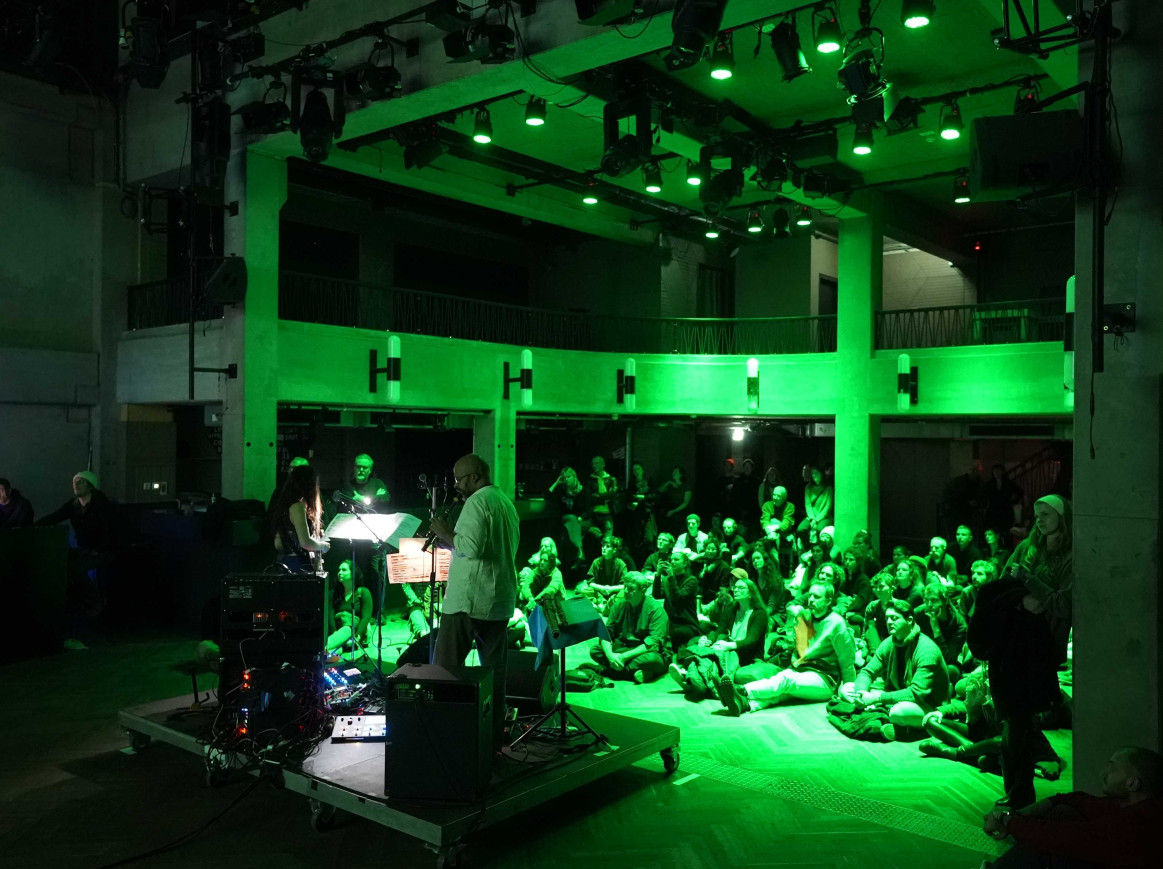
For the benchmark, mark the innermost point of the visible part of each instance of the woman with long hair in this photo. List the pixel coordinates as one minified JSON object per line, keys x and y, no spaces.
{"x":571,"y":496}
{"x":817,"y":505}
{"x":351,"y":607}
{"x":737,"y":641}
{"x":297,"y":522}
{"x":767,"y":485}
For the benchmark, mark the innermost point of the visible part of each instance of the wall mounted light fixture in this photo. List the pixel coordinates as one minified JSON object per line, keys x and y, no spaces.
{"x":390,"y":369}
{"x":627,"y":386}
{"x":524,"y":379}
{"x":753,"y":385}
{"x":906,"y":383}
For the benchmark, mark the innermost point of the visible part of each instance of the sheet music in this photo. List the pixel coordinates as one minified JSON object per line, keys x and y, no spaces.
{"x":389,"y":527}
{"x":412,"y":564}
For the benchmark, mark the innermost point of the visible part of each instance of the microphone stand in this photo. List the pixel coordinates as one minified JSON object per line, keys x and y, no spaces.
{"x":430,"y":547}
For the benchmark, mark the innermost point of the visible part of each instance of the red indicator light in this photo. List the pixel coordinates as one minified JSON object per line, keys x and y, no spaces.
{"x":977,"y":245}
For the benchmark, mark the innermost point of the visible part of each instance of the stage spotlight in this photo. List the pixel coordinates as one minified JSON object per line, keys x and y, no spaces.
{"x":804,"y":216}
{"x":862,"y":140}
{"x":961,"y":188}
{"x":860,"y":73}
{"x":718,"y":192}
{"x":1027,"y":98}
{"x":828,"y":35}
{"x":148,"y":62}
{"x":374,"y":83}
{"x":315,"y":127}
{"x":712,"y":231}
{"x":781,"y":223}
{"x":598,"y":13}
{"x":264,"y":117}
{"x":652,"y":177}
{"x":694,"y":177}
{"x":723,"y":58}
{"x":904,"y":115}
{"x":488,"y":43}
{"x":754,"y":221}
{"x":951,"y":125}
{"x":421,"y":144}
{"x":916,"y":13}
{"x":590,"y":193}
{"x":482,"y":128}
{"x":785,"y":42}
{"x":535,"y":112}
{"x":694,"y":24}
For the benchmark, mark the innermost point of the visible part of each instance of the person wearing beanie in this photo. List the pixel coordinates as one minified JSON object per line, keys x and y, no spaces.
{"x":15,"y":509}
{"x":90,"y":513}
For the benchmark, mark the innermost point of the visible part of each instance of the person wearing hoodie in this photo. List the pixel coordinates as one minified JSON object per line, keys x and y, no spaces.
{"x":15,"y":509}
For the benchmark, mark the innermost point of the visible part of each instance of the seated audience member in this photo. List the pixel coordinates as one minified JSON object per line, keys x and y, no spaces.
{"x":833,"y":574}
{"x":680,"y":595}
{"x":875,"y":625}
{"x":1120,"y":828}
{"x":855,"y":592}
{"x":573,"y":504}
{"x":900,"y":553}
{"x":942,"y":623}
{"x":997,"y":553}
{"x":809,"y":563}
{"x":540,"y":579}
{"x":910,"y":582}
{"x":906,"y":675}
{"x":964,"y":550}
{"x":940,"y":561}
{"x":778,"y":517}
{"x":980,"y":573}
{"x":351,"y":608}
{"x":734,"y":547}
{"x":817,"y":505}
{"x":828,"y":544}
{"x":765,"y":572}
{"x":869,"y":557}
{"x":607,"y":573}
{"x":736,"y":641}
{"x":691,"y":540}
{"x":637,"y":648}
{"x":623,"y":552}
{"x":714,"y":580}
{"x":661,"y":554}
{"x":15,"y":509}
{"x":815,"y":672}
{"x":601,"y":489}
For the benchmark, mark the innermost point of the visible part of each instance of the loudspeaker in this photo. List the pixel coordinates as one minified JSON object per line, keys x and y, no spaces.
{"x":530,"y":689}
{"x":227,"y":285}
{"x":1017,"y":155}
{"x":440,"y":723}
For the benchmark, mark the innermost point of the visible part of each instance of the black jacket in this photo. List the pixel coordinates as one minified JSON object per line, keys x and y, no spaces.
{"x":17,"y":512}
{"x":93,"y":524}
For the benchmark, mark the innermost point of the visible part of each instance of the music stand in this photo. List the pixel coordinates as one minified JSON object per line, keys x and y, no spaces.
{"x":380,"y":529}
{"x":576,"y":622}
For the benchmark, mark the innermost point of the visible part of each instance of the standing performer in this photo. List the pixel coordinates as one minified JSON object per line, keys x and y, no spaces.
{"x":297,"y":522}
{"x":482,"y":578}
{"x":372,"y":492}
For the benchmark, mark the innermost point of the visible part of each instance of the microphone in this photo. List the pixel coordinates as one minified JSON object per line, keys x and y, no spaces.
{"x":424,"y":481}
{"x":348,"y":501}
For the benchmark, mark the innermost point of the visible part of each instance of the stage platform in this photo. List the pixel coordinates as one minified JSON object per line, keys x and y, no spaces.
{"x":349,"y":777}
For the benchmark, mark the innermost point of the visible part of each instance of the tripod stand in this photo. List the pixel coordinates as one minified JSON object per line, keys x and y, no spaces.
{"x":559,"y":628}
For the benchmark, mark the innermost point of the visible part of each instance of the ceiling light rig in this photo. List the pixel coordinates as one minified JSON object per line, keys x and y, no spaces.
{"x":652,"y":177}
{"x":860,"y":73}
{"x":961,"y":194}
{"x":829,"y":37}
{"x":917,"y":13}
{"x":712,"y":230}
{"x":694,"y":176}
{"x":754,"y":221}
{"x":804,"y":216}
{"x":482,"y":130}
{"x":694,"y":24}
{"x":781,"y":223}
{"x":862,"y":140}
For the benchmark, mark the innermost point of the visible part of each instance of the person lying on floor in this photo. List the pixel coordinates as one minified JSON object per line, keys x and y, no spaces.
{"x":815,"y":672}
{"x":906,"y":675}
{"x":638,"y":647}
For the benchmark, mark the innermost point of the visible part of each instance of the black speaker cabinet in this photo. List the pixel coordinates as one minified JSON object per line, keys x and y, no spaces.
{"x":227,"y":284}
{"x":532,"y":690}
{"x":439,"y":745}
{"x":280,"y":617}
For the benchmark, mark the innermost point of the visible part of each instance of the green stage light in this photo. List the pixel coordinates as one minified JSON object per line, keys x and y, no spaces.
{"x":712,"y":231}
{"x":693,"y":176}
{"x":951,"y":126}
{"x":804,"y":216}
{"x":780,"y":221}
{"x":723,"y":59}
{"x":828,"y":35}
{"x":535,"y":112}
{"x":961,"y":188}
{"x":482,"y":131}
{"x":652,"y":177}
{"x":862,"y":140}
{"x":754,"y":222}
{"x":916,"y":13}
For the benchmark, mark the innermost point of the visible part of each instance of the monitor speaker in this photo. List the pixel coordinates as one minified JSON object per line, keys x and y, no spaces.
{"x":227,"y":285}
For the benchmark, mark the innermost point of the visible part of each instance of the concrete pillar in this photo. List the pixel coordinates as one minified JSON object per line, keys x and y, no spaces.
{"x":249,"y":422}
{"x":857,"y":432}
{"x":494,"y":438}
{"x":1117,"y":671}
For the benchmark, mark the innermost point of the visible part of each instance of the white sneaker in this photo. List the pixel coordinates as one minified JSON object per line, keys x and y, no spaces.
{"x":678,"y":674}
{"x":74,"y":645}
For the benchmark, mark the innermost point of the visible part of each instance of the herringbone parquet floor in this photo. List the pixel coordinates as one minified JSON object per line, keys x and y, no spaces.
{"x":776,"y":788}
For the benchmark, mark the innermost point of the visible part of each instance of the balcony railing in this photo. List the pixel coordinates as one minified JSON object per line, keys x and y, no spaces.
{"x":967,"y":325}
{"x":314,"y":299}
{"x":164,"y":303}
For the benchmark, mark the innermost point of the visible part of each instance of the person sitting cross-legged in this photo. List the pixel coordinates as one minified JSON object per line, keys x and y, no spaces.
{"x":814,"y":674}
{"x":736,"y":641}
{"x":638,"y":647}
{"x":906,"y":675}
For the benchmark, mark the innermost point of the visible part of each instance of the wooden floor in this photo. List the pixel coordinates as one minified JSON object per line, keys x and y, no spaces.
{"x":774,"y":788}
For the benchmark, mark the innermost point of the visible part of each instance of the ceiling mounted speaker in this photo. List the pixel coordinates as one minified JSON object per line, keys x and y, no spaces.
{"x":227,"y":285}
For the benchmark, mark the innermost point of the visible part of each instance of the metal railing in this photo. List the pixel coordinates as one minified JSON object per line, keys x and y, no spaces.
{"x":164,"y":303}
{"x":967,"y":325}
{"x":314,"y":299}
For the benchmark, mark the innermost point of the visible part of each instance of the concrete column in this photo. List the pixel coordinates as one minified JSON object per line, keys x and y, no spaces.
{"x":249,"y":423}
{"x":494,"y":437}
{"x":1117,"y":671}
{"x":857,"y":432}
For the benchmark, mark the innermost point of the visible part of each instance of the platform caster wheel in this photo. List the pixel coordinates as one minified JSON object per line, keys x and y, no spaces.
{"x":447,"y":855}
{"x":670,"y":758}
{"x":322,"y":816}
{"x":139,"y":741}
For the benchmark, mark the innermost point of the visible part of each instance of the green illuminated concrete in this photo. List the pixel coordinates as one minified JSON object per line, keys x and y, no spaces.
{"x":251,"y":335}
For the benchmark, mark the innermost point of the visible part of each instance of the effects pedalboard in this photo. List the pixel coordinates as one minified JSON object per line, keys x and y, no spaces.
{"x":360,"y":728}
{"x":341,"y":687}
